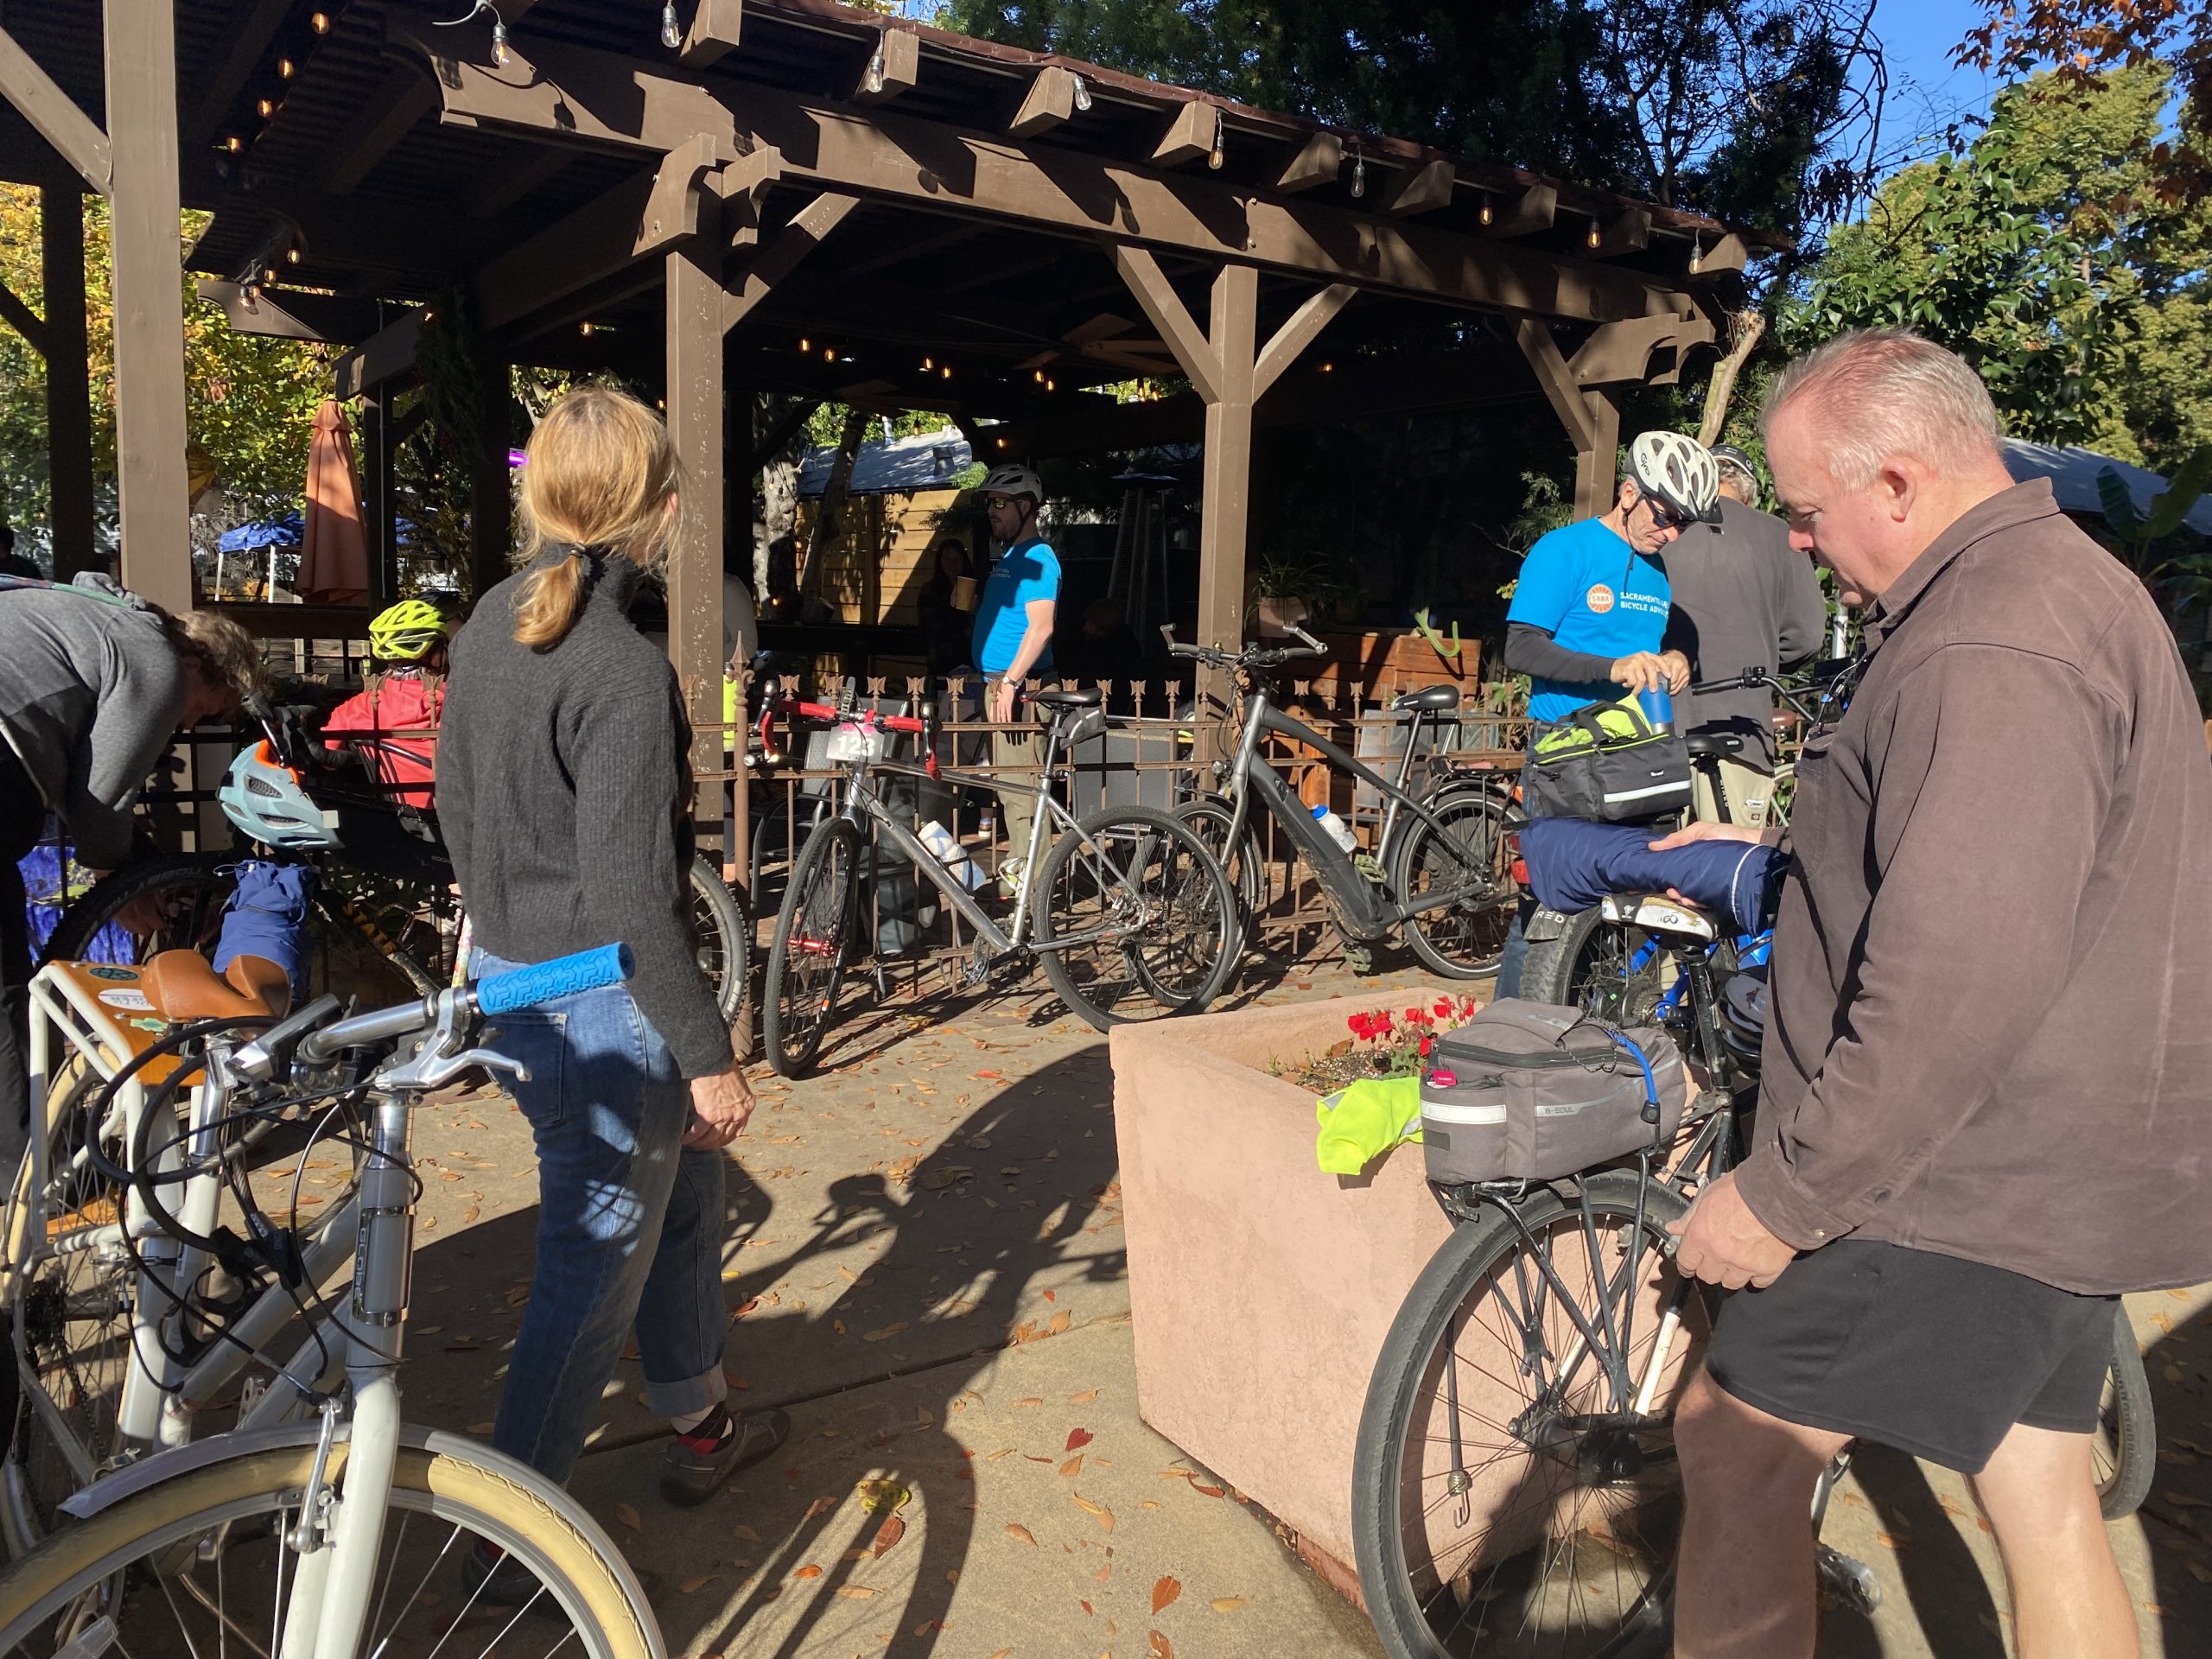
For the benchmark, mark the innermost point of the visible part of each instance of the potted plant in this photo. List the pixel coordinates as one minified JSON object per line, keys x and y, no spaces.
{"x":1289,"y":590}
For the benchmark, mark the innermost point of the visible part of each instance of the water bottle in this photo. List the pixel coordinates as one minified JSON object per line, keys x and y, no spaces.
{"x":1658,"y":706}
{"x":951,"y":854}
{"x":1339,"y":831}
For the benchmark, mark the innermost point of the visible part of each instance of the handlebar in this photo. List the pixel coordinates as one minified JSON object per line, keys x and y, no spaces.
{"x":1250,"y":656}
{"x":519,"y":987}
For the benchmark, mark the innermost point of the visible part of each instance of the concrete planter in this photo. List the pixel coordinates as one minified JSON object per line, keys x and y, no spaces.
{"x":1260,"y":1288}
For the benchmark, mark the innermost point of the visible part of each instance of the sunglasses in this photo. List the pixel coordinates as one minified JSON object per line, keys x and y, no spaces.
{"x":995,"y":502}
{"x":1660,"y":515}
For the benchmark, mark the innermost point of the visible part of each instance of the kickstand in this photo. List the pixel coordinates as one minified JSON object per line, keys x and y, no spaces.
{"x":882,"y":982}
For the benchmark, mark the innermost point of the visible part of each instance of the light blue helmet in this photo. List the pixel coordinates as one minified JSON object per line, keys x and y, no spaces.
{"x":265,"y":802}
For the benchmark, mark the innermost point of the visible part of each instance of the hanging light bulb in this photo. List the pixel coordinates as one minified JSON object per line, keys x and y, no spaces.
{"x":873,"y":80}
{"x":291,"y":256}
{"x":1697,"y":252}
{"x":1037,"y":375}
{"x":1359,"y":174}
{"x":584,"y":329}
{"x":270,"y":275}
{"x":234,"y":144}
{"x":265,"y":107}
{"x":1051,"y":385}
{"x":286,"y":69}
{"x":498,"y":44}
{"x":829,"y":353}
{"x":672,"y":32}
{"x":945,"y":372}
{"x":805,"y":344}
{"x":1081,"y":96}
{"x":928,"y":364}
{"x":1594,"y":236}
{"x":1215,"y":160}
{"x":319,"y":22}
{"x":1487,"y":211}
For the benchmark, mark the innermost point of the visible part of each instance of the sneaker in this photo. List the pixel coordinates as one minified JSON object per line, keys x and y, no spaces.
{"x":697,"y":1463}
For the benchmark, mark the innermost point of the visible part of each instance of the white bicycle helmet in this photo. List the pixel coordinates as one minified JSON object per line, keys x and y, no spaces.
{"x":1013,"y":480}
{"x":1677,"y":471}
{"x":265,"y":801}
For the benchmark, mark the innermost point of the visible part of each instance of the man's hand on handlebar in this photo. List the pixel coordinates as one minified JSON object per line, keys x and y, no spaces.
{"x":721,"y":1105}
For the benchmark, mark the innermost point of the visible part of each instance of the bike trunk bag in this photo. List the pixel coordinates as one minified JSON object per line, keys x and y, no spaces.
{"x":1604,"y":761}
{"x":1534,"y":1091}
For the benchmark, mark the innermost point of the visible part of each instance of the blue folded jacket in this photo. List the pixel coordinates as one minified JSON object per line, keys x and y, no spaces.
{"x":1574,"y":863}
{"x":268,"y":917}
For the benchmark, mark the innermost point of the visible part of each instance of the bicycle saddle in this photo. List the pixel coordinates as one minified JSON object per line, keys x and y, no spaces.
{"x":1084,"y":699}
{"x":1430,"y":699}
{"x":1713,"y":743}
{"x":184,"y":985}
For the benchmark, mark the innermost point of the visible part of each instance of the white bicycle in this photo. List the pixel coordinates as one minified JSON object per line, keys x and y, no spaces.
{"x":320,"y":1526}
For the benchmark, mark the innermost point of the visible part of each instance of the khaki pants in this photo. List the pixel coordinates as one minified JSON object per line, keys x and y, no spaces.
{"x":1015,"y":755}
{"x":1749,"y":791}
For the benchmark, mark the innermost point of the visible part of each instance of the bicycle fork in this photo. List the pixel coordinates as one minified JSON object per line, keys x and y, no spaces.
{"x":339,"y":1532}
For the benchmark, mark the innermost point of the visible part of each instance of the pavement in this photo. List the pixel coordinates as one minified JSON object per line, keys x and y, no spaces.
{"x":925,"y":1268}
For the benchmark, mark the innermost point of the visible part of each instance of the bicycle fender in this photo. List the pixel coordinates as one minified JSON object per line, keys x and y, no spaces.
{"x":1545,"y":925}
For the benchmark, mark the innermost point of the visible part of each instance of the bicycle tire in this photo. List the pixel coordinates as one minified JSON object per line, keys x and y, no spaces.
{"x":725,"y":943}
{"x":1466,"y":939}
{"x":799,"y":992}
{"x":1181,"y":947}
{"x":536,"y":1524}
{"x":196,"y":878}
{"x":2127,"y":1426}
{"x":1243,"y":865}
{"x":1586,"y":968}
{"x":1636,"y":1529}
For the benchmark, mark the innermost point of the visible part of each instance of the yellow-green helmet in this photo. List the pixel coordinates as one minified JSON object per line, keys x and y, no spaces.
{"x":407,"y":631}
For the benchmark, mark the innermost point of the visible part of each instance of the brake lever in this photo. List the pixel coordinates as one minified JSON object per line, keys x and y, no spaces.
{"x":429,"y":1069}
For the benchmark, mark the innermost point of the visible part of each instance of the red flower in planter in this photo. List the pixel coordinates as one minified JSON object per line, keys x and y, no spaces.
{"x":1362,"y":1027}
{"x":1426,"y":1043}
{"x":1443,"y":1009}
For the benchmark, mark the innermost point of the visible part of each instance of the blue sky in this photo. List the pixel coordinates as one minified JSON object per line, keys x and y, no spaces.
{"x":1918,"y":37}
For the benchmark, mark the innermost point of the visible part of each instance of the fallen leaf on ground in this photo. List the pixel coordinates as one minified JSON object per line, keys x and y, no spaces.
{"x":877,"y":1496}
{"x":820,"y":1506}
{"x":889,"y":1533}
{"x":854,"y":1592}
{"x":1102,"y":1573}
{"x":1020,"y":1535}
{"x":888,"y":1331}
{"x":810,"y":1571}
{"x":749,"y":1534}
{"x":2184,"y":1500}
{"x":1073,"y":1467}
{"x":692,"y":1587}
{"x":1888,"y":1541}
{"x":1032,"y":1401}
{"x":1164,"y":1592}
{"x":1227,"y":1603}
{"x":2198,"y":1571}
{"x":1060,"y":1322}
{"x":471,"y":1213}
{"x":628,"y":1515}
{"x":1084,"y":1398}
{"x":1077,"y":1438}
{"x":480,"y":1428}
{"x":1160,"y":1646}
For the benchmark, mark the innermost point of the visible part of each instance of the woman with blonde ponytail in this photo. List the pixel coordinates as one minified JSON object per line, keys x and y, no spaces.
{"x":565,"y":795}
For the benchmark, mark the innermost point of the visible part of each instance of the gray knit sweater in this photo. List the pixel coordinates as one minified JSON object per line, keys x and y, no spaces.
{"x":564,"y":795}
{"x":90,"y":690}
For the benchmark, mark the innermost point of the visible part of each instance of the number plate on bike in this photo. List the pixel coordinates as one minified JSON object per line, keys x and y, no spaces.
{"x":852,"y":742}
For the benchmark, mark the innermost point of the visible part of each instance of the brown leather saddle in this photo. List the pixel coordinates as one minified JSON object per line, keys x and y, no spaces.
{"x":183,"y":985}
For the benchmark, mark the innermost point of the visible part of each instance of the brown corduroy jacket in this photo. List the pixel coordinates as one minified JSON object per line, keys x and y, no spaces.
{"x":1992,"y":1027}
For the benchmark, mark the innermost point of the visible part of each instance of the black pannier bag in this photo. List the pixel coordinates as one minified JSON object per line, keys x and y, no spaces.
{"x":1604,"y":761}
{"x":1534,"y":1091}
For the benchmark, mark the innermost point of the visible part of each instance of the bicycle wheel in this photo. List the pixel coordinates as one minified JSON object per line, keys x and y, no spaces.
{"x":72,"y":1310}
{"x":2123,"y":1451}
{"x":1464,"y":939}
{"x":201,"y":1563}
{"x":724,"y":932}
{"x":1514,"y":1485}
{"x":1156,"y":918}
{"x":814,"y":941}
{"x":182,"y":894}
{"x":1598,"y":966}
{"x":1242,"y":864}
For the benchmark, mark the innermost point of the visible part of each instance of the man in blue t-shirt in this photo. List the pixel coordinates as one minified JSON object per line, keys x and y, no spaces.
{"x":1013,"y":641}
{"x":1589,"y":610}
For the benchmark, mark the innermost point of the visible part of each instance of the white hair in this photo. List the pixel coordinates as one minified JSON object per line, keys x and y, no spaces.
{"x":1884,"y":392}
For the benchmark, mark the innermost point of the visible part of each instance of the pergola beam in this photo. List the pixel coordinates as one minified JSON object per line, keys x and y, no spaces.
{"x":1149,"y":286}
{"x":507,"y":186}
{"x":24,"y":320}
{"x":70,"y":505}
{"x":388,"y":352}
{"x":1318,"y":161}
{"x":1190,"y":136}
{"x":1531,"y":212}
{"x":330,"y":318}
{"x":403,"y":98}
{"x":76,"y":137}
{"x":576,"y":95}
{"x":809,"y":228}
{"x":1425,"y":189}
{"x":714,"y":29}
{"x":1592,"y":420}
{"x":901,"y":66}
{"x":1291,"y":340}
{"x":1050,"y":100}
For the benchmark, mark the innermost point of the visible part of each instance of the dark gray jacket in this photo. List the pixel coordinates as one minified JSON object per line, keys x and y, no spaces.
{"x":564,"y":794}
{"x":91,"y":690}
{"x":1743,"y":598}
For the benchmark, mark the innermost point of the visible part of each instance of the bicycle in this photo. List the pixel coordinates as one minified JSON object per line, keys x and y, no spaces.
{"x":1129,"y":913}
{"x":179,"y":1550}
{"x":1439,"y":872}
{"x":398,"y":907}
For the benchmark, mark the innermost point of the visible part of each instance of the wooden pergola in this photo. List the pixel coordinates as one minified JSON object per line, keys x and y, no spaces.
{"x":737,"y":195}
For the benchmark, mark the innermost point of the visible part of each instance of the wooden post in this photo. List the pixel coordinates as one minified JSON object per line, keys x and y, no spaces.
{"x":143,"y":207}
{"x":1595,"y":457}
{"x":69,"y":380}
{"x":695,"y":426}
{"x":378,"y":509}
{"x":491,"y":501}
{"x":1225,"y":495}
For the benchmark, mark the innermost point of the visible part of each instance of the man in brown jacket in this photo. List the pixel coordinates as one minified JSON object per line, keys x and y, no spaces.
{"x":1986,"y":1094}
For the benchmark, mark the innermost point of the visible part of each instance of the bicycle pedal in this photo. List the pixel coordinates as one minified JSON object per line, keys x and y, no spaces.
{"x":1850,"y":1582}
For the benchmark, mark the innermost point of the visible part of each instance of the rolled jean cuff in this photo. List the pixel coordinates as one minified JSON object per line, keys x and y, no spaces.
{"x":689,"y":1397}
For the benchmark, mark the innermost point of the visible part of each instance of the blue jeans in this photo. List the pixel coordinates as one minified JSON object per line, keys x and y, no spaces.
{"x":629,"y":1225}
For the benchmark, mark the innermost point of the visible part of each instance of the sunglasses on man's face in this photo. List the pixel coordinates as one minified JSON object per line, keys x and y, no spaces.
{"x":1660,"y":515}
{"x":997,"y":501}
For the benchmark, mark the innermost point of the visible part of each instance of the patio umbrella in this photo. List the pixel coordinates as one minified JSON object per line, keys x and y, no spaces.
{"x":335,"y":560}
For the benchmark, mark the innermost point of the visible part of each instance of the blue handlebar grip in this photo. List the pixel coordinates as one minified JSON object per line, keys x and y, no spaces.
{"x":541,"y":981}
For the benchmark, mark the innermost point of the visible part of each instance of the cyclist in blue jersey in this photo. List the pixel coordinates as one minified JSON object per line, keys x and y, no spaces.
{"x":1590,"y":610}
{"x":1013,"y":638}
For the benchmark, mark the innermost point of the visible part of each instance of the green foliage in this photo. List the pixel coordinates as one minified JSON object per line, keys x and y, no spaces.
{"x":2051,"y":256}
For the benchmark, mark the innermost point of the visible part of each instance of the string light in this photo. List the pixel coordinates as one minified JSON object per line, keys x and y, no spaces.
{"x":498,"y":44}
{"x":1051,"y":385}
{"x":319,"y":22}
{"x":1488,"y":212}
{"x":672,"y":32}
{"x":270,"y":275}
{"x":1081,"y":96}
{"x":286,"y":69}
{"x":1215,"y":160}
{"x":585,"y":330}
{"x":498,"y":28}
{"x":291,"y":256}
{"x":945,"y":372}
{"x":234,"y":144}
{"x":1358,"y":173}
{"x":1594,"y":236}
{"x":266,"y":107}
{"x":873,"y":80}
{"x":1037,"y":375}
{"x":1697,"y":252}
{"x":1328,"y":368}
{"x":928,"y":364}
{"x":829,"y":353}
{"x":805,"y":344}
